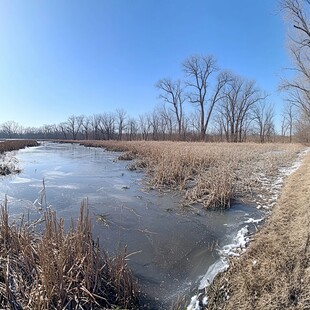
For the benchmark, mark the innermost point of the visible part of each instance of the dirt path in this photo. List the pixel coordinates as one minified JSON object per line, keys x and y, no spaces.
{"x":274,"y":273}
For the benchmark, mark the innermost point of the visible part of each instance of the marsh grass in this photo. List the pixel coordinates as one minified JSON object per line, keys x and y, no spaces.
{"x":59,"y":269}
{"x":209,"y":173}
{"x":7,"y":162}
{"x":274,"y":272}
{"x":11,"y":145}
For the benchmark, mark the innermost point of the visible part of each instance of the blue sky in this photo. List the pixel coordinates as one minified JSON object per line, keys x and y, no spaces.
{"x":59,"y":58}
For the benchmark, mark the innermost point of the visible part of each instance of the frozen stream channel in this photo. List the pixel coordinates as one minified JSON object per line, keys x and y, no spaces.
{"x":175,"y":246}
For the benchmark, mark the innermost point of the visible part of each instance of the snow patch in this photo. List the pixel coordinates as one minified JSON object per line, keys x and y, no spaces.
{"x":240,"y":242}
{"x":251,"y":220}
{"x":194,"y":304}
{"x":19,"y":180}
{"x":219,"y":266}
{"x":65,"y":186}
{"x":56,"y":174}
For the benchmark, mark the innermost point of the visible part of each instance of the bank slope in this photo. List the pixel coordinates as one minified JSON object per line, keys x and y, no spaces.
{"x":274,"y":273}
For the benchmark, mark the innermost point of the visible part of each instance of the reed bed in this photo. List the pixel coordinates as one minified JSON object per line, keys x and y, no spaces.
{"x":12,"y":145}
{"x":60,"y":270}
{"x":209,"y":173}
{"x":7,"y":162}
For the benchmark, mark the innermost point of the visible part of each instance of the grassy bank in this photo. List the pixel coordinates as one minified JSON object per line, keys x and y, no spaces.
{"x":211,"y":174}
{"x":274,"y":273}
{"x":7,"y":162}
{"x":60,"y":270}
{"x":11,"y":145}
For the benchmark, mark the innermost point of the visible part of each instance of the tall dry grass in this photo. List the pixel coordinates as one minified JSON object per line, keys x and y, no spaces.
{"x":60,"y":270}
{"x":11,"y":145}
{"x":209,"y":173}
{"x":274,"y":272}
{"x":8,"y":163}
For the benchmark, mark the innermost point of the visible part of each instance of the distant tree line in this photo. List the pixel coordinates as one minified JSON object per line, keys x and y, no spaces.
{"x":224,"y":107}
{"x":160,"y":124}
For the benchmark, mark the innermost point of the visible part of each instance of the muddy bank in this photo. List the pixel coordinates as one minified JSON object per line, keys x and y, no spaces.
{"x":274,"y":273}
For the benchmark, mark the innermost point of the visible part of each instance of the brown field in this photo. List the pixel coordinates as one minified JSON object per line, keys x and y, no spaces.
{"x":11,"y":145}
{"x":208,"y":173}
{"x":274,"y":273}
{"x":59,"y":270}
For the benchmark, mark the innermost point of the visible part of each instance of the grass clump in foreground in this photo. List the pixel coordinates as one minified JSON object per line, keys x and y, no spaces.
{"x":274,"y":272}
{"x":208,"y":173}
{"x":60,"y":270}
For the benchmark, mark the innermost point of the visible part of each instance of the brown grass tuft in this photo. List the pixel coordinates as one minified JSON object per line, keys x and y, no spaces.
{"x":60,"y":270}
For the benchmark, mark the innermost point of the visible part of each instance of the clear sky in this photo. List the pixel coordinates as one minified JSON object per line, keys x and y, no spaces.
{"x":63,"y":57}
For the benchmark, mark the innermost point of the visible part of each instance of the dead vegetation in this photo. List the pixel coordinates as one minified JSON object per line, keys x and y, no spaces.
{"x":60,"y":270}
{"x":8,"y":163}
{"x":274,"y":273}
{"x":11,"y":145}
{"x":208,"y":173}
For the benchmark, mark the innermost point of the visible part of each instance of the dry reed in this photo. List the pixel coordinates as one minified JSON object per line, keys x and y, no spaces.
{"x":60,"y":270}
{"x":11,"y":145}
{"x":209,"y":173}
{"x":8,"y":163}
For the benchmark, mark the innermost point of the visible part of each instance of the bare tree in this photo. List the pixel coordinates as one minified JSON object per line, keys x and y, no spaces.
{"x":74,"y":124}
{"x":48,"y":131}
{"x":121,"y":117}
{"x":11,"y":129}
{"x":95,"y":122}
{"x":106,"y":125}
{"x":299,"y":87}
{"x":194,"y":122}
{"x":167,"y":121}
{"x":302,"y":128}
{"x":172,"y":93}
{"x":132,"y":129}
{"x":289,"y":114}
{"x":239,"y":98}
{"x":154,"y":121}
{"x":200,"y":71}
{"x":86,"y":126}
{"x":62,"y":127}
{"x":263,"y":117}
{"x":220,"y":128}
{"x":144,"y":125}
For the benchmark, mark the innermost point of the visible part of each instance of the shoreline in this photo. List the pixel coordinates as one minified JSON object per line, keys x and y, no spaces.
{"x":277,"y":181}
{"x":7,"y":163}
{"x":244,"y":237}
{"x":267,"y":200}
{"x":274,"y":272}
{"x":212,"y":175}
